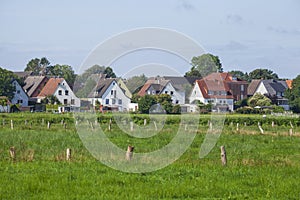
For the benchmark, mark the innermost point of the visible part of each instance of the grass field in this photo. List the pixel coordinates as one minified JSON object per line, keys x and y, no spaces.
{"x":259,"y":166}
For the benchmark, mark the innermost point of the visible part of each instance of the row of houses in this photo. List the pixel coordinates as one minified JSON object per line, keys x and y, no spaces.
{"x":219,"y":89}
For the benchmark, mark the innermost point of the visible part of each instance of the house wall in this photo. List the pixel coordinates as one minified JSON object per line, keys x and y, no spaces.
{"x":261,"y":89}
{"x":66,"y":99}
{"x":113,"y":99}
{"x":237,"y":92}
{"x":196,"y":94}
{"x":20,"y":97}
{"x":177,"y":96}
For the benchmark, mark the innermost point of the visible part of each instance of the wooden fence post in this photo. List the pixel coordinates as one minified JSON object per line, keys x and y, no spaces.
{"x":145,"y":122}
{"x":260,"y":128}
{"x":12,"y":152}
{"x":291,"y":125}
{"x":129,"y":152}
{"x":12,"y":124}
{"x":291,"y":132}
{"x":237,"y":126}
{"x":273,"y":124}
{"x":48,"y":126}
{"x":155,"y":125}
{"x":223,"y":156}
{"x":68,"y":154}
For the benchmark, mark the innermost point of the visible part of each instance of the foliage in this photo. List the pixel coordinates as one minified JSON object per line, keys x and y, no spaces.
{"x":38,"y":66}
{"x":241,"y":103}
{"x":51,"y":99}
{"x":145,"y":103}
{"x":165,"y":101}
{"x":205,"y":64}
{"x":259,"y":166}
{"x":63,"y":71}
{"x":176,"y":109}
{"x":240,"y":75}
{"x":263,"y":74}
{"x":259,"y":100}
{"x":293,"y":95}
{"x":86,"y":89}
{"x":109,"y":72}
{"x":6,"y":87}
{"x":135,"y":83}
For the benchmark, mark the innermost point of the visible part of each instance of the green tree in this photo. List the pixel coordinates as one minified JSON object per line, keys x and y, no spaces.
{"x":293,"y":95}
{"x":135,"y":83}
{"x":6,"y":87}
{"x":165,"y":101}
{"x":263,"y":74}
{"x":86,"y":89}
{"x":63,"y":71}
{"x":240,"y":75}
{"x":109,"y":72}
{"x":51,"y":99}
{"x":259,"y":100}
{"x":146,"y":102}
{"x":205,"y":64}
{"x":38,"y":66}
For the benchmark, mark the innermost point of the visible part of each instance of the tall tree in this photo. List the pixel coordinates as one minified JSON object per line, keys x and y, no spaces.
{"x":146,"y":102}
{"x":293,"y":95}
{"x":205,"y":64}
{"x":263,"y":74}
{"x":240,"y":75}
{"x":259,"y":100}
{"x":109,"y":72}
{"x":38,"y":66}
{"x":135,"y":83}
{"x":6,"y":87}
{"x":64,"y":71}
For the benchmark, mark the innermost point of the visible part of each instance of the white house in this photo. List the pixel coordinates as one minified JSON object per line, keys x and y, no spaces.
{"x":158,"y":85}
{"x":110,"y":95}
{"x":271,"y":88}
{"x":59,"y":88}
{"x":20,"y":96}
{"x":215,"y":92}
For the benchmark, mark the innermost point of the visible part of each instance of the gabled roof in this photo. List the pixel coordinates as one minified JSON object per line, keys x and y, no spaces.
{"x":32,"y":83}
{"x":289,"y":83}
{"x":214,"y":86}
{"x":274,"y":86}
{"x":51,"y":87}
{"x":253,"y":86}
{"x":23,"y":74}
{"x":157,"y":83}
{"x":179,"y":82}
{"x":101,"y":87}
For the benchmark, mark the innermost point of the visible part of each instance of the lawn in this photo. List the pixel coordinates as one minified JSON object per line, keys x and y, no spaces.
{"x":260,"y":166}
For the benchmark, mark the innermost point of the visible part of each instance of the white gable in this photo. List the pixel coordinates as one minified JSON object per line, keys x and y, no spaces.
{"x":20,"y":96}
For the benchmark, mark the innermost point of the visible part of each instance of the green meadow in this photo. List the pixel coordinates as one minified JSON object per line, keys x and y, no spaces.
{"x":259,"y":166}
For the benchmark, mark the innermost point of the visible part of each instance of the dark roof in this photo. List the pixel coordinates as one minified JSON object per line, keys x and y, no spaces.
{"x":179,"y":83}
{"x":274,"y":86}
{"x":23,"y":74}
{"x":32,"y":83}
{"x":101,"y":87}
{"x":157,"y":83}
{"x":253,"y":86}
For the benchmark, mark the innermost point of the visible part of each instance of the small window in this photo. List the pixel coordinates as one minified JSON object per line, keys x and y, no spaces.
{"x":59,"y":92}
{"x":20,"y":101}
{"x":177,"y":102}
{"x":242,"y":88}
{"x":65,"y":101}
{"x":73,"y":101}
{"x":18,"y":91}
{"x":120,"y":101}
{"x":106,"y":101}
{"x":172,"y":92}
{"x":166,"y":92}
{"x":111,"y":92}
{"x":113,"y":101}
{"x":66,"y":92}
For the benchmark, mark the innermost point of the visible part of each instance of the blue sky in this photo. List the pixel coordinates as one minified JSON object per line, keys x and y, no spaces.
{"x":244,"y":34}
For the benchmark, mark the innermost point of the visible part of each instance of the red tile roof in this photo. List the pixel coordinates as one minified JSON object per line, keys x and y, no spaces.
{"x":214,"y":85}
{"x":50,"y":87}
{"x":289,"y":83}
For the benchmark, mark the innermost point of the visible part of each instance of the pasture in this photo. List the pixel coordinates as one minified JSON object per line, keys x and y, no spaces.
{"x":259,"y":166}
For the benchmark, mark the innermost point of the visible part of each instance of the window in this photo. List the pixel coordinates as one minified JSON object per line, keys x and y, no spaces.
{"x":242,"y":97}
{"x":166,"y":92}
{"x":113,"y":101}
{"x":20,"y":101}
{"x":120,"y":101}
{"x":18,"y":91}
{"x":72,"y":101}
{"x":177,"y":101}
{"x":111,"y":92}
{"x":66,"y":92}
{"x":242,"y":88}
{"x":172,"y":92}
{"x":106,"y":101}
{"x":59,"y":92}
{"x":65,"y":101}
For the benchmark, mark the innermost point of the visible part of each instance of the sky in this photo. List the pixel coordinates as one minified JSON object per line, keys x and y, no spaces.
{"x":244,"y":34}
